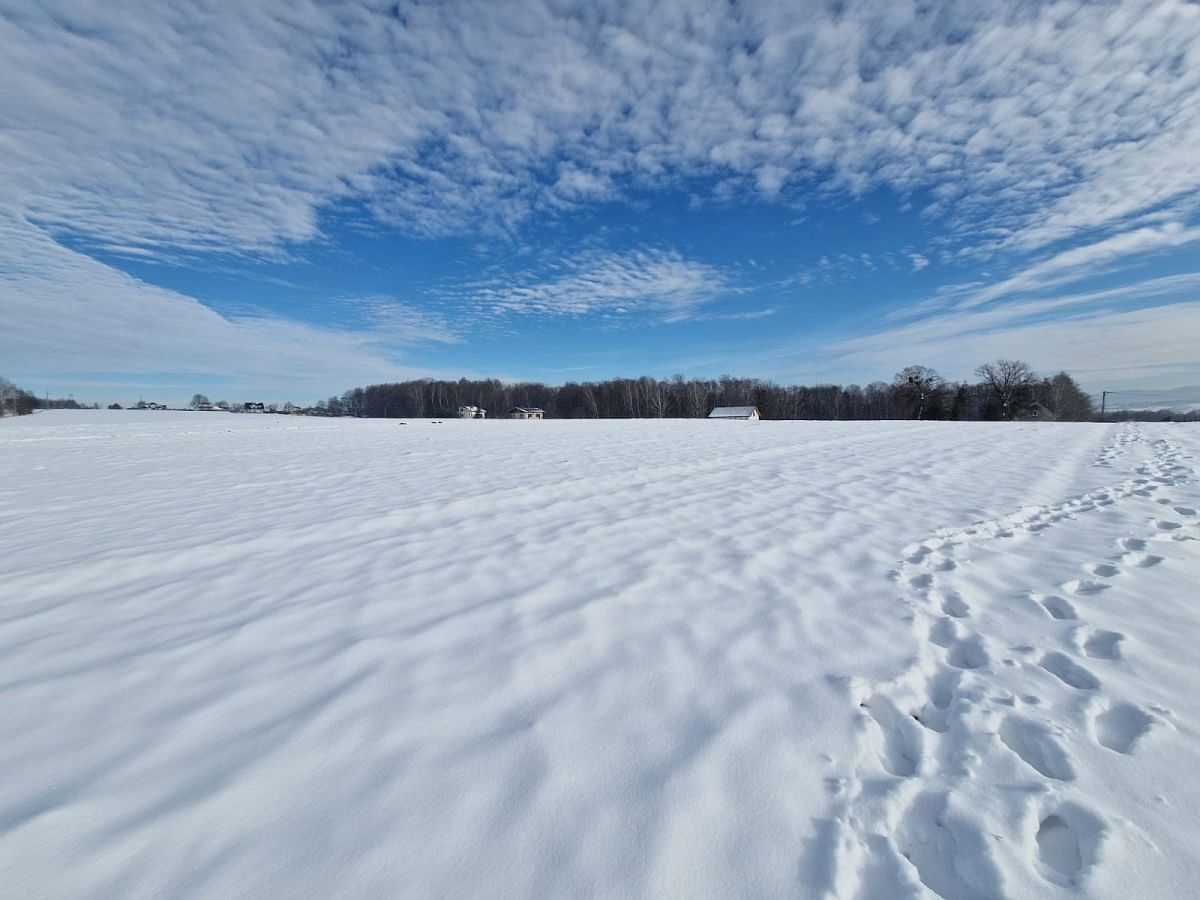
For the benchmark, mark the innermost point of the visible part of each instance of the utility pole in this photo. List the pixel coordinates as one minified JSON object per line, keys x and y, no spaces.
{"x":1103,"y":403}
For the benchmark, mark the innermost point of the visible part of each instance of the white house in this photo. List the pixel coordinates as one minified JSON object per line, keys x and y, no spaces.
{"x":526,"y":412}
{"x":472,"y":412}
{"x":735,"y":412}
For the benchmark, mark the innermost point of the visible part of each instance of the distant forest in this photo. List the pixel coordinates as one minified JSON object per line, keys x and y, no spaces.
{"x":1005,"y":389}
{"x":17,"y":402}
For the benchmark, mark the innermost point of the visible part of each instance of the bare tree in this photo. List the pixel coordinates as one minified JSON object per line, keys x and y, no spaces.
{"x":1009,"y":384}
{"x":918,"y":385}
{"x":197,"y":400}
{"x":8,"y":397}
{"x":654,"y":397}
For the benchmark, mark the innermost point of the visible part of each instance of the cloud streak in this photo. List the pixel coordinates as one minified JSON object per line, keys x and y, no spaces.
{"x":662,"y":283}
{"x":67,"y":312}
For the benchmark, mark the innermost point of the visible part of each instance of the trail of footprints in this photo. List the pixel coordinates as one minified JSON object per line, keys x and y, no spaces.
{"x":922,"y":720}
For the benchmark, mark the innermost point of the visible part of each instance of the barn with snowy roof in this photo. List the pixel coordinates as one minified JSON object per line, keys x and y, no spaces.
{"x":735,"y":412}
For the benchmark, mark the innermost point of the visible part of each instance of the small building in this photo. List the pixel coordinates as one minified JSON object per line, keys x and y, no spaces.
{"x":735,"y":412}
{"x":526,"y":412}
{"x":472,"y":412}
{"x":253,"y":407}
{"x":1035,"y":413}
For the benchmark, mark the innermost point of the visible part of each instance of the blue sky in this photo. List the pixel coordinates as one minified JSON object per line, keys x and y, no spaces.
{"x":291,"y":199}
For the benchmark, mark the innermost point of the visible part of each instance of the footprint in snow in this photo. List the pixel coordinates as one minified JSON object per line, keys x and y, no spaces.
{"x":1069,"y":842}
{"x":1036,"y":746}
{"x":916,"y":554}
{"x":1121,"y":726}
{"x":942,"y":688}
{"x":1104,"y":570}
{"x":1184,"y":510}
{"x":1132,"y":544}
{"x":945,"y":632}
{"x":903,"y":742}
{"x":1058,"y":846}
{"x":1068,"y":671}
{"x":954,"y":605}
{"x":1166,"y":525}
{"x":1059,"y":607}
{"x":1104,"y":644}
{"x":1084,"y":586}
{"x":969,"y":654}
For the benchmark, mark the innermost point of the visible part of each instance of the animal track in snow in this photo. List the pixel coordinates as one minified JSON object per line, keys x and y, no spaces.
{"x":1068,"y":671}
{"x":1036,"y":746}
{"x":1120,"y":727}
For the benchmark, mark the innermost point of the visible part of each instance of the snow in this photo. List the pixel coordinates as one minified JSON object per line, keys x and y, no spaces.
{"x":272,"y":656}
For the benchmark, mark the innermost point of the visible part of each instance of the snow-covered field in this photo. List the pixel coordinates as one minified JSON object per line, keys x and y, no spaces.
{"x":249,"y":656}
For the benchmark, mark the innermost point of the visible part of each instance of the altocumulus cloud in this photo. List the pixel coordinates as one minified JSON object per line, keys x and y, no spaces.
{"x":662,"y":283}
{"x":212,"y":126}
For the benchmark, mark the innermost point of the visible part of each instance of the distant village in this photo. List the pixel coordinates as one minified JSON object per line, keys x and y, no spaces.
{"x":749,"y":413}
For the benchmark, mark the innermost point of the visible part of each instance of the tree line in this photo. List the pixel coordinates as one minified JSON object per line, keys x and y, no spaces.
{"x":15,"y":401}
{"x":1003,"y":389}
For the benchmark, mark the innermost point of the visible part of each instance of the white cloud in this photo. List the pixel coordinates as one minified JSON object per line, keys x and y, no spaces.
{"x":919,"y":262}
{"x":392,"y":322}
{"x":1152,"y":343}
{"x":165,"y":125}
{"x":1086,"y":260}
{"x":66,"y":312}
{"x":662,"y":283}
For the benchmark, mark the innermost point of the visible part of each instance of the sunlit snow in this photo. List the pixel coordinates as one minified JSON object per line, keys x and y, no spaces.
{"x":272,"y":656}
